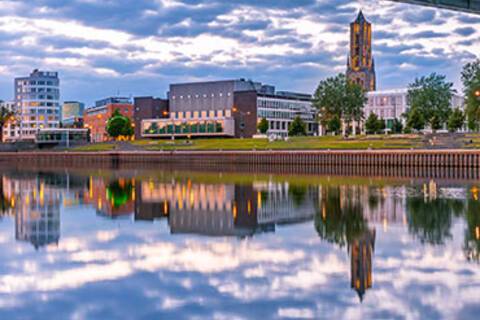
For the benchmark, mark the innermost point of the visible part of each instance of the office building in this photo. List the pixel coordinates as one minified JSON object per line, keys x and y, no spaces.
{"x":148,"y":108}
{"x":95,"y":118}
{"x":229,"y":108}
{"x":72,"y":114}
{"x":360,"y":62}
{"x":37,"y":101}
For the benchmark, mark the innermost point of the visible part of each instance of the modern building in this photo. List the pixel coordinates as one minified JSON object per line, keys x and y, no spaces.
{"x":393,"y":104}
{"x":66,"y":137}
{"x":72,"y":114}
{"x":95,"y":118}
{"x":360,"y":62}
{"x":229,"y":108}
{"x":281,"y":108}
{"x":11,"y":128}
{"x":148,"y":108}
{"x":37,"y":101}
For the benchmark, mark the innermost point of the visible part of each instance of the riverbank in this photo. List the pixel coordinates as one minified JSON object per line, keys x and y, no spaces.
{"x":371,"y":142}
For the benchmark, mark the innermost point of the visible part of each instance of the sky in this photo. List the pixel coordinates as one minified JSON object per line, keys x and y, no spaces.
{"x":138,"y":47}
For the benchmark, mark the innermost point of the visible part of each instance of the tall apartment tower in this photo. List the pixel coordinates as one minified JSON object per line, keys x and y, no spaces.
{"x":37,"y":101}
{"x":360,"y":62}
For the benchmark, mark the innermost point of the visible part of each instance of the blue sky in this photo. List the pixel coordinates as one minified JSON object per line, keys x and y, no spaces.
{"x":138,"y":47}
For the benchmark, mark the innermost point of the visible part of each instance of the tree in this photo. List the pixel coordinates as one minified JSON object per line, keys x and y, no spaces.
{"x":415,"y":119}
{"x":471,"y":90}
{"x":263,"y":126}
{"x":456,"y":120}
{"x":119,"y":125}
{"x":337,"y":97}
{"x":381,"y":126}
{"x":397,"y":126}
{"x":334,"y":124}
{"x":371,"y":124}
{"x":431,"y":96}
{"x":5,"y":116}
{"x":297,"y":127}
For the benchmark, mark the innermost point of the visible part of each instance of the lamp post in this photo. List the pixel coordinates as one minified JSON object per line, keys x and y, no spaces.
{"x":242,"y":119}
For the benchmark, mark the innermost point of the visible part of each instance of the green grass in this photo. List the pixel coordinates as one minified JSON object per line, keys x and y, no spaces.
{"x":97,"y":147}
{"x":297,"y":143}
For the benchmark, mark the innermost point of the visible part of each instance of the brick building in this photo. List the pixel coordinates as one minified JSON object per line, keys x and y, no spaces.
{"x":95,"y":118}
{"x":148,"y":108}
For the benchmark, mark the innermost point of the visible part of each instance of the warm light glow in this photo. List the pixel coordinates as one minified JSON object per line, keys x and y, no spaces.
{"x":477,"y":93}
{"x":477,"y":233}
{"x":235,"y":211}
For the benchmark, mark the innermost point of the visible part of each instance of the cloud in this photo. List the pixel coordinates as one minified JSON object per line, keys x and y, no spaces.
{"x":129,"y":43}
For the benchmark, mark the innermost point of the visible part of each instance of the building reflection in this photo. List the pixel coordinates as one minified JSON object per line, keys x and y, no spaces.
{"x":111,"y":197}
{"x":35,"y":200}
{"x":342,"y":219}
{"x":222,"y":209}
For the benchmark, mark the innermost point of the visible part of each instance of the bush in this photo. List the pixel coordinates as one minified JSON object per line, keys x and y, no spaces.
{"x":263,"y":126}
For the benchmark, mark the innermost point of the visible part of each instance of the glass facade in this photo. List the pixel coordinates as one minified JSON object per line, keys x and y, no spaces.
{"x":167,"y":127}
{"x":37,"y":101}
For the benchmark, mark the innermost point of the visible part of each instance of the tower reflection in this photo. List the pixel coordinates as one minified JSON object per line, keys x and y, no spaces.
{"x":361,"y":253}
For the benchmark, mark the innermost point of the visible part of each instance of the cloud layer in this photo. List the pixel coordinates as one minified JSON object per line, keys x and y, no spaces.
{"x":138,"y":47}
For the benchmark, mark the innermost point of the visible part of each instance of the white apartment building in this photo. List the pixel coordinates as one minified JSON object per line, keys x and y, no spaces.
{"x":392,"y":104}
{"x":37,"y":102}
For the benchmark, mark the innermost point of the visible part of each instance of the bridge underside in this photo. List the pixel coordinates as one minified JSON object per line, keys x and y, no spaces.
{"x":472,"y":6}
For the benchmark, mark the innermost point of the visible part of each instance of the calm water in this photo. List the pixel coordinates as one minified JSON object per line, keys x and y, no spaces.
{"x":150,"y":244}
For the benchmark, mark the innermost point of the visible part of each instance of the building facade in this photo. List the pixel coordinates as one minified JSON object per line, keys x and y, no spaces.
{"x":281,"y":108}
{"x":230,"y":108}
{"x":360,"y":62}
{"x":37,"y":101}
{"x":95,"y":118}
{"x":10,"y":129}
{"x":72,"y":114}
{"x":393,"y":104}
{"x":148,"y":108}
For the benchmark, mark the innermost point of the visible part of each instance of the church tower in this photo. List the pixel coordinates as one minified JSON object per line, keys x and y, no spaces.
{"x":360,"y":62}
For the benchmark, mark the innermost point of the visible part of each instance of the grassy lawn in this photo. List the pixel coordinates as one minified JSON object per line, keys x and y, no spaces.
{"x":472,"y":141}
{"x":297,"y":143}
{"x":97,"y":147}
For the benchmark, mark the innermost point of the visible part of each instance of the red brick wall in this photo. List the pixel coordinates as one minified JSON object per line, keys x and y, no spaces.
{"x":97,"y":122}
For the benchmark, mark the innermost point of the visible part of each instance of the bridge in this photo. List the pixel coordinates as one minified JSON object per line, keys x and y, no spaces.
{"x":471,"y":6}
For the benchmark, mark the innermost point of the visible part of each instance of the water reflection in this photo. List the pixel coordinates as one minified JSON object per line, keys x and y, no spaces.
{"x":350,"y":217}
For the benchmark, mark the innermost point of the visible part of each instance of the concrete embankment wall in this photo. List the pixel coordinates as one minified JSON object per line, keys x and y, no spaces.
{"x":404,"y":158}
{"x":443,"y":164}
